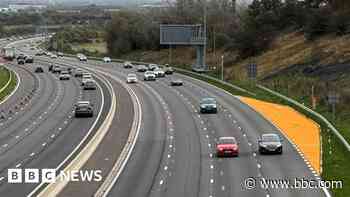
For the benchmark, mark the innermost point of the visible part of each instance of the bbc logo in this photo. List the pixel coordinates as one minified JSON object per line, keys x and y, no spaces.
{"x":51,"y":176}
{"x":31,"y":175}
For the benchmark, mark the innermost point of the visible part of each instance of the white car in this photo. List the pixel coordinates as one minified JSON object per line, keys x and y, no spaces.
{"x":107,"y":60}
{"x":131,"y":78}
{"x":81,"y":57}
{"x":152,"y":67}
{"x":64,"y":75}
{"x":53,"y":56}
{"x":86,"y":77}
{"x":159,"y":72}
{"x":149,"y":76}
{"x":127,"y":65}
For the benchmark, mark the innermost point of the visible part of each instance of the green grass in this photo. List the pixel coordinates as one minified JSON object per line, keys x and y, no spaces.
{"x":4,"y":77}
{"x":336,"y":160}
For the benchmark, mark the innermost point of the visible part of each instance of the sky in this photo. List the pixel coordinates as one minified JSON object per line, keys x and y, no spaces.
{"x":99,"y":2}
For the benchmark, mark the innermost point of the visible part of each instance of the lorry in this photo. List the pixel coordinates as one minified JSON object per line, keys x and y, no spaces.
{"x":9,"y":53}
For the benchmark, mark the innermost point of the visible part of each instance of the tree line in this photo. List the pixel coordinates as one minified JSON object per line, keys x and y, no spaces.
{"x":249,"y":30}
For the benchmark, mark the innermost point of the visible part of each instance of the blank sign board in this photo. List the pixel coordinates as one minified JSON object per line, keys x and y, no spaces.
{"x":181,"y":35}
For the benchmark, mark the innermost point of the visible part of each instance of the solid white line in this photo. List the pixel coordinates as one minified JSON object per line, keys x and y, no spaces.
{"x":79,"y":145}
{"x":106,"y":187}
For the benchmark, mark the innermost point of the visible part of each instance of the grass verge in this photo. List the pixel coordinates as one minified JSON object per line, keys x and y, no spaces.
{"x":4,"y":77}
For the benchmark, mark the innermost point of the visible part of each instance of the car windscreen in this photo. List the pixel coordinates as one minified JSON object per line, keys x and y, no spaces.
{"x":208,"y":101}
{"x":227,"y":141}
{"x":270,"y":138}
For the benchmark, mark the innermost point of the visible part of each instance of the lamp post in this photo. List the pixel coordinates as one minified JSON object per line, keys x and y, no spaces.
{"x":222,"y":67}
{"x":205,"y":31}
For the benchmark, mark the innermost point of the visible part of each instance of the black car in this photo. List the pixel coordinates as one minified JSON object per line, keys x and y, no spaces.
{"x":142,"y":68}
{"x":29,"y":59}
{"x":21,"y":61}
{"x":270,"y":143}
{"x":169,"y":70}
{"x":208,"y":105}
{"x":39,"y":70}
{"x":21,"y":56}
{"x":83,"y":109}
{"x":176,"y":82}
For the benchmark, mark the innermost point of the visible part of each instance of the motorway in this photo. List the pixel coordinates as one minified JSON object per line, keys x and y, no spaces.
{"x":174,"y":154}
{"x":42,"y":131}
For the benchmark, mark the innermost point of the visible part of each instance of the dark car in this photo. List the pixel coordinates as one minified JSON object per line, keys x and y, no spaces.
{"x":21,"y":61}
{"x":169,"y":70}
{"x":29,"y":59}
{"x":208,"y":105}
{"x":176,"y":82}
{"x":227,"y":146}
{"x":21,"y":56}
{"x":39,"y":70}
{"x":142,"y":68}
{"x":83,"y":109}
{"x":270,"y":143}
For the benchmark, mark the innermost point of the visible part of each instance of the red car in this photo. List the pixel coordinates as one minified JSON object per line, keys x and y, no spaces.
{"x":227,"y":146}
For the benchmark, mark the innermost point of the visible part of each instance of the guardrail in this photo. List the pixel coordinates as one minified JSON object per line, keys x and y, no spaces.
{"x":294,"y":102}
{"x":179,"y":69}
{"x":329,"y":125}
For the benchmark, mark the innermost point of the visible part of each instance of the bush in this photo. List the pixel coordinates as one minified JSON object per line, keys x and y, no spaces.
{"x":318,"y":23}
{"x":131,"y":31}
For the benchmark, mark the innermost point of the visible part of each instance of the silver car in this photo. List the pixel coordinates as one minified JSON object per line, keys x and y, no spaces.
{"x":64,"y":75}
{"x":131,"y":78}
{"x":89,"y":85}
{"x":83,"y":109}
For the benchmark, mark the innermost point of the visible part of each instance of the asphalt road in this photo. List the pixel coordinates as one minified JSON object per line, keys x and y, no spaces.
{"x":175,"y":152}
{"x":43,"y":131}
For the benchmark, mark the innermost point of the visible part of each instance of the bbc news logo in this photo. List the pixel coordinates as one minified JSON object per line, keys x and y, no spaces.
{"x":51,"y":176}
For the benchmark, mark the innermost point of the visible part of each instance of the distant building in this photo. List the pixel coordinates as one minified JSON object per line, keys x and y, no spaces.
{"x":7,"y":10}
{"x":68,"y":11}
{"x":26,"y":6}
{"x":112,"y":10}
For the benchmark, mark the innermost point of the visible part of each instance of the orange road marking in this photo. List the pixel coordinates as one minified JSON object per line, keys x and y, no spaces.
{"x":301,"y":130}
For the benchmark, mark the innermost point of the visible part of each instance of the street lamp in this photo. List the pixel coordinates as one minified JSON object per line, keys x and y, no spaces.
{"x":222,"y":67}
{"x":205,"y":30}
